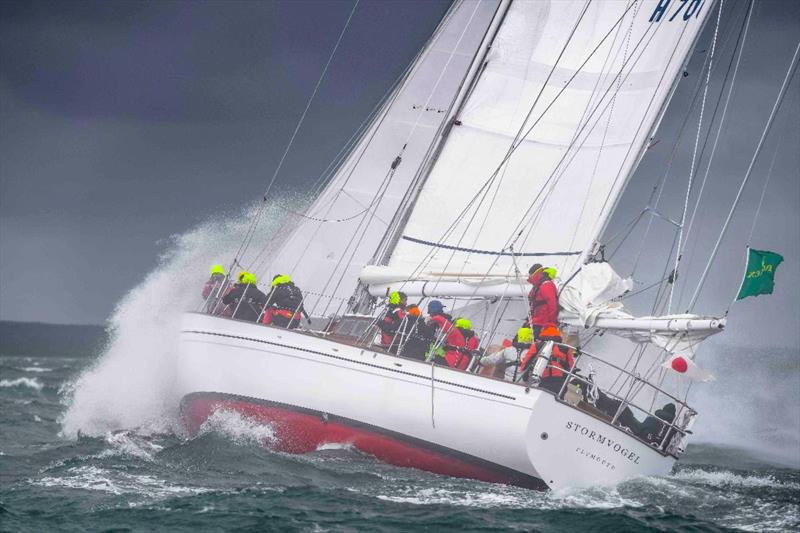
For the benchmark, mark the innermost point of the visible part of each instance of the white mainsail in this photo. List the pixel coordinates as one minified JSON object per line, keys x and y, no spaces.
{"x":345,"y":224}
{"x":586,"y":83}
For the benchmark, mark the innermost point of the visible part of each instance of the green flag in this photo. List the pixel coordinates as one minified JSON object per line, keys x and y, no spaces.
{"x":759,"y":278}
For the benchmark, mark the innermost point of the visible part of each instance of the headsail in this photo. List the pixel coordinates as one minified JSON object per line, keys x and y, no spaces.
{"x":542,"y":149}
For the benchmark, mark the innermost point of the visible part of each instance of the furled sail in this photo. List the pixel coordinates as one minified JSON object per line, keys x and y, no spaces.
{"x":544,"y":144}
{"x":341,"y":230}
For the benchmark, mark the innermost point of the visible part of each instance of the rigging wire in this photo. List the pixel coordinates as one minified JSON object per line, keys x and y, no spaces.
{"x":755,"y":216}
{"x":763,"y":192}
{"x":513,"y":148}
{"x":743,"y":39}
{"x":658,"y":188}
{"x":522,"y":127}
{"x":387,"y":180}
{"x":383,"y":105}
{"x":692,"y":168}
{"x":578,"y":135}
{"x":252,"y":229}
{"x":510,"y":246}
{"x":605,"y":131}
{"x":562,"y":167}
{"x":537,"y":214}
{"x":467,"y":86}
{"x":786,"y":81}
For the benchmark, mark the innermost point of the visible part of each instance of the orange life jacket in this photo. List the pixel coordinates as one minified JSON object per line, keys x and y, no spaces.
{"x":561,"y":358}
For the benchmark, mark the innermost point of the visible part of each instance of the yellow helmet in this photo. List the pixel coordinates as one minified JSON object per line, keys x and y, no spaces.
{"x":217,"y":269}
{"x":250,"y":278}
{"x":242,"y":275}
{"x":463,"y":323}
{"x":396,"y":297}
{"x":525,"y":335}
{"x":281,"y":279}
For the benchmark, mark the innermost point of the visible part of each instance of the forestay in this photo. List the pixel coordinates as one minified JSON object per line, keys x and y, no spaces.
{"x":586,"y":83}
{"x":343,"y":227}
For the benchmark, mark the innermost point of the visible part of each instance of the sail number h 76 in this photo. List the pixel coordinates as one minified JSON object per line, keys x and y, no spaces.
{"x":688,"y":7}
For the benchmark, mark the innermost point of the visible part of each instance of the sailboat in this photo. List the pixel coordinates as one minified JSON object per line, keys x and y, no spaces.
{"x":508,"y":140}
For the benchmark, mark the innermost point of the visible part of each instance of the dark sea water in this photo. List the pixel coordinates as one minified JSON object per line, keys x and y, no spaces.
{"x":225,"y":480}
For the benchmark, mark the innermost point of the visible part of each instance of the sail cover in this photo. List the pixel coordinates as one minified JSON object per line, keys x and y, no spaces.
{"x":586,"y":83}
{"x":344,"y":226}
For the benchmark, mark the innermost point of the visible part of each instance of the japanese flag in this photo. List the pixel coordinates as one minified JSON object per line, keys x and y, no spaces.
{"x":687,"y":368}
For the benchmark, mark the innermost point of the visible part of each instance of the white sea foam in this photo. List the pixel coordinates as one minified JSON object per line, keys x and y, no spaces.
{"x":730,"y":479}
{"x":133,"y":383}
{"x":130,"y":444}
{"x":450,"y":493}
{"x":237,"y":427}
{"x":31,"y":383}
{"x":115,"y":482}
{"x":36,"y":369}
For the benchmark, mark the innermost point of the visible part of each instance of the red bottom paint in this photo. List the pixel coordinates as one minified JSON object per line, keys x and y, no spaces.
{"x":303,"y":432}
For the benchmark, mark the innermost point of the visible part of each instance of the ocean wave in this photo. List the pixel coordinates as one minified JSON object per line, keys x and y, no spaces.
{"x":238,"y":428}
{"x":35,"y":369}
{"x":503,"y":496}
{"x":31,"y":383}
{"x":492,"y":496}
{"x":725,"y":478}
{"x":118,"y":483}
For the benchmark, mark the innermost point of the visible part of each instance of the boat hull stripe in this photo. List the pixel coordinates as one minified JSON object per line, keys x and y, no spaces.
{"x":302,"y":430}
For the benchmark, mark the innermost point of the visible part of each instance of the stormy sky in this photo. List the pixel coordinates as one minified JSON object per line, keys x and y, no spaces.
{"x":122,"y":123}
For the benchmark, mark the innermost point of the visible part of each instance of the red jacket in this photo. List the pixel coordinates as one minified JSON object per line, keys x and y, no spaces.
{"x":459,"y":346}
{"x":389,"y":325}
{"x":440,"y":323}
{"x":543,"y":300}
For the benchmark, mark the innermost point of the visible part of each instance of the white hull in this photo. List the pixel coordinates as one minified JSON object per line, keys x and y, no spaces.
{"x":522,"y":436}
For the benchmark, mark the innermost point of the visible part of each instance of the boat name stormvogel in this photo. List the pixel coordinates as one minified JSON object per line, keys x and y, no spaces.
{"x":602,"y":439}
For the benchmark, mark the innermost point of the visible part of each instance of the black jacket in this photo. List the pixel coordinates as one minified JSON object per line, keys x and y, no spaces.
{"x":416,"y":337}
{"x":252,"y":303}
{"x":286,"y":296}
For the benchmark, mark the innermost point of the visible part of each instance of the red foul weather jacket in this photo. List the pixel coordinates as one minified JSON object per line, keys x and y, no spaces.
{"x":390,"y":323}
{"x":543,"y":300}
{"x":459,"y":346}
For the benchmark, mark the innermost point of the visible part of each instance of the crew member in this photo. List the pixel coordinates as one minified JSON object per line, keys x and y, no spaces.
{"x":413,"y":334}
{"x":654,"y":428}
{"x":439,"y":325}
{"x":245,"y":300}
{"x":542,"y":298}
{"x":562,"y":359}
{"x":392,"y":319}
{"x":214,"y":289}
{"x":285,"y":303}
{"x":511,"y":355}
{"x":460,"y":344}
